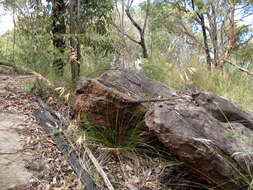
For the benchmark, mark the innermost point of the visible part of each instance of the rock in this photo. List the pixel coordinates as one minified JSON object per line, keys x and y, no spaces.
{"x":101,"y":99}
{"x":201,"y":141}
{"x":13,"y":171}
{"x":222,"y":109}
{"x":207,"y":132}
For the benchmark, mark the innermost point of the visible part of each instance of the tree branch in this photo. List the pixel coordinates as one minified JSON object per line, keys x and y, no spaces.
{"x":239,"y":68}
{"x":125,"y":34}
{"x":146,"y":17}
{"x":133,"y":21}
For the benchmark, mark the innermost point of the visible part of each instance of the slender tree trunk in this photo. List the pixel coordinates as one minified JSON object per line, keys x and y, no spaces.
{"x":144,"y":48}
{"x":208,"y":58}
{"x":231,"y":37}
{"x":204,"y":34}
{"x":74,"y":39}
{"x":122,"y":36}
{"x":58,"y":30}
{"x":78,"y":48}
{"x":75,"y":30}
{"x":141,"y":31}
{"x":214,"y":35}
{"x":14,"y":35}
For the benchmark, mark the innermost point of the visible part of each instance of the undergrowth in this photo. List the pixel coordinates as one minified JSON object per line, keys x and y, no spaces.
{"x":127,"y":148}
{"x":232,"y":85}
{"x":135,"y":139}
{"x":192,"y":76}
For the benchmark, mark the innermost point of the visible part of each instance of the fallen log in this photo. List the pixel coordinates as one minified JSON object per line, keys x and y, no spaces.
{"x":53,"y":123}
{"x":207,"y":132}
{"x":17,"y":69}
{"x":23,"y":71}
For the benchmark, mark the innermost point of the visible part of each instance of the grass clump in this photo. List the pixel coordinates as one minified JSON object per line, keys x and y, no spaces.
{"x":110,"y":136}
{"x":127,"y":150}
{"x":135,"y":138}
{"x":124,"y":134}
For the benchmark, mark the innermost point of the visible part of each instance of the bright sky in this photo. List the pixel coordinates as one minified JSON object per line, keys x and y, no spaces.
{"x":6,"y":22}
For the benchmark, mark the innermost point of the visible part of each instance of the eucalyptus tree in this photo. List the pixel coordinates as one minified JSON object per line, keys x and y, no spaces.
{"x":218,"y":22}
{"x":86,"y":19}
{"x":75,"y":38}
{"x":165,"y":35}
{"x":58,"y":31}
{"x":48,"y":30}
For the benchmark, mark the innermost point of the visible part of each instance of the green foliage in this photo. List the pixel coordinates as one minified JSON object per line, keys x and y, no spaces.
{"x":112,"y":136}
{"x":230,"y":83}
{"x":6,"y":46}
{"x":155,"y":70}
{"x":243,"y":54}
{"x":95,"y":29}
{"x":97,"y":14}
{"x":136,"y":139}
{"x":28,"y":86}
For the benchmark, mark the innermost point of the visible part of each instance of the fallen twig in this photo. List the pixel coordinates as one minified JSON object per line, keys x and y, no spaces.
{"x":149,"y":100}
{"x":99,"y":169}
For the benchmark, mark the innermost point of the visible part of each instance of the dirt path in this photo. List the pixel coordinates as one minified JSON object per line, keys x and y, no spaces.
{"x":13,"y":171}
{"x":29,"y":159}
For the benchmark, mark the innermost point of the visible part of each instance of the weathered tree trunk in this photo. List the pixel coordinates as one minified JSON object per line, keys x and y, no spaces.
{"x":205,"y":131}
{"x":78,"y":45}
{"x":204,"y":34}
{"x":141,"y":31}
{"x":214,"y":33}
{"x":231,"y":36}
{"x":74,"y":40}
{"x":58,"y":30}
